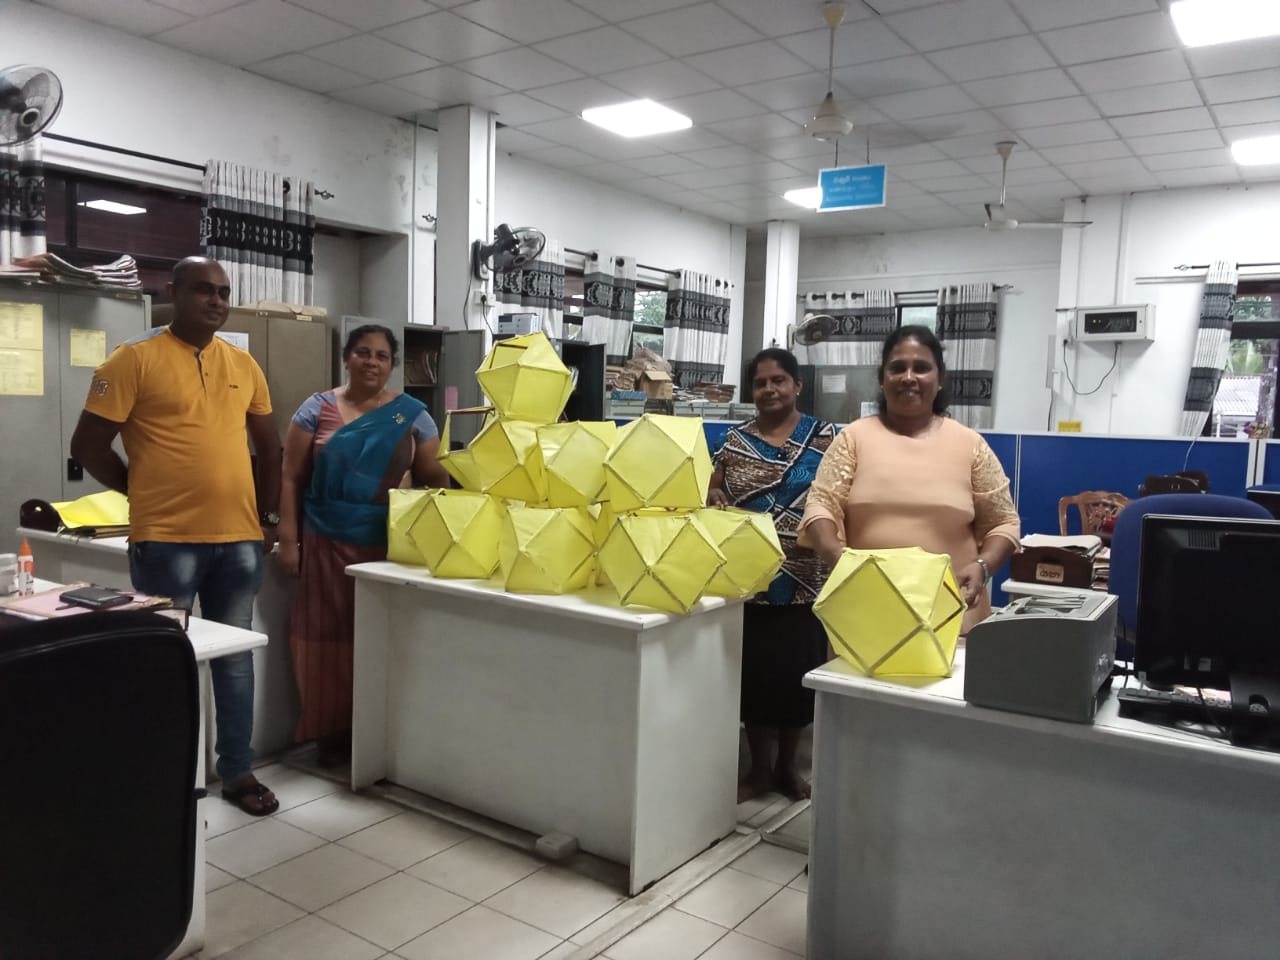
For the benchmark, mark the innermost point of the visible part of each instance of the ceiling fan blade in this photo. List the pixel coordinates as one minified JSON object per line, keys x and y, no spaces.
{"x":987,"y":207}
{"x":1053,"y":224}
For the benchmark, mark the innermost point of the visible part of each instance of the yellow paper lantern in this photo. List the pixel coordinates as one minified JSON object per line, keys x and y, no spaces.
{"x":602,"y":519}
{"x":460,"y":464}
{"x":457,"y":534}
{"x":749,"y":542}
{"x":660,"y":559}
{"x":573,"y":456}
{"x":546,"y":549}
{"x":525,"y":380}
{"x":893,"y":612}
{"x":508,"y":462}
{"x":403,"y":509}
{"x":659,"y":461}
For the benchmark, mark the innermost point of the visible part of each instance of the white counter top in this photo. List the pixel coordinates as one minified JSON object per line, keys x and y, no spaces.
{"x":598,"y":605}
{"x":115,"y":545}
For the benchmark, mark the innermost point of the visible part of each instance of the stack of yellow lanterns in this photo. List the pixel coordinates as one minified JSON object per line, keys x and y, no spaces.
{"x":554,"y":507}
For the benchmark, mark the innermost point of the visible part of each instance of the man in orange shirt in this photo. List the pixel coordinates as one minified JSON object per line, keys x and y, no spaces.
{"x":185,"y":403}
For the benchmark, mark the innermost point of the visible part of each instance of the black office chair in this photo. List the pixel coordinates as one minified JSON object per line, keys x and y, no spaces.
{"x":99,"y":728}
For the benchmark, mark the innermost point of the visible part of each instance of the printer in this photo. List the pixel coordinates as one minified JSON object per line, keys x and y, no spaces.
{"x":1047,"y":656}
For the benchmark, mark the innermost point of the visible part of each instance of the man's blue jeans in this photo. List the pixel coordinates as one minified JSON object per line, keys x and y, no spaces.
{"x":225,"y":577}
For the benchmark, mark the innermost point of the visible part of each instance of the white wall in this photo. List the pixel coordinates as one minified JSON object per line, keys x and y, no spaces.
{"x":587,"y":215}
{"x":928,"y":259}
{"x":1148,"y":235}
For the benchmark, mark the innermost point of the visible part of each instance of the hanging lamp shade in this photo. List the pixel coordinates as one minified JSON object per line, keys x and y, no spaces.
{"x":508,"y":462}
{"x":752,"y":552}
{"x":524,"y":379}
{"x":660,"y":559}
{"x":573,"y":456}
{"x":546,"y":549}
{"x":457,"y":534}
{"x":659,"y":461}
{"x":893,"y":612}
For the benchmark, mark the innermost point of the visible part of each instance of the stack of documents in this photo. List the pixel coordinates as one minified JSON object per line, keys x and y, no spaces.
{"x":121,"y":272}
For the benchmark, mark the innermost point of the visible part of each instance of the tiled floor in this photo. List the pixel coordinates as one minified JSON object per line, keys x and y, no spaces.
{"x":337,"y":876}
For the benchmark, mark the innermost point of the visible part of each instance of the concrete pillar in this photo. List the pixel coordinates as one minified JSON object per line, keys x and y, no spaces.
{"x":464,"y":205}
{"x":781,"y":282}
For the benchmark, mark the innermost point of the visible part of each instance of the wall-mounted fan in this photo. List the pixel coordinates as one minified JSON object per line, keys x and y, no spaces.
{"x":828,"y":122}
{"x":813,"y":329}
{"x":998,"y":219}
{"x":30,"y":98}
{"x":510,"y":250}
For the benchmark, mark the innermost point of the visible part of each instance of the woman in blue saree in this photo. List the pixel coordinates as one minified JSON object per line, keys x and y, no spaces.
{"x":344,"y":450}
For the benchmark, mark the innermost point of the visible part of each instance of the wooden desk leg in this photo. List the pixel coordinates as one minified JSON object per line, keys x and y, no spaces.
{"x":369,"y":694}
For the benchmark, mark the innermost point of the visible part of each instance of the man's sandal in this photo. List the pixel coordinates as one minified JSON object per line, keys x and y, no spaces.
{"x":253,"y":798}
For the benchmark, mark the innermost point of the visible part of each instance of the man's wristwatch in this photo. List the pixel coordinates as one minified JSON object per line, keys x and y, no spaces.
{"x":269,"y":518}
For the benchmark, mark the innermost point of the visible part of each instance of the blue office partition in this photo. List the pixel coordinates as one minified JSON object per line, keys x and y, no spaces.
{"x":1271,"y":465}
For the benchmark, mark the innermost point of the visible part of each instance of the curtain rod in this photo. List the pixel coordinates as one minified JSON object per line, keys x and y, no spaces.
{"x":896,"y":293}
{"x":1205,"y":266}
{"x":591,"y":254}
{"x":322,"y":194}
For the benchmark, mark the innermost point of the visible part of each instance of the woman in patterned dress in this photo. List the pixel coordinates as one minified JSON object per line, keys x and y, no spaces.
{"x":766,"y":465}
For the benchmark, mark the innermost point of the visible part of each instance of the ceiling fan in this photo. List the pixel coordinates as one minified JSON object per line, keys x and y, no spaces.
{"x":828,"y":122}
{"x":998,"y":219}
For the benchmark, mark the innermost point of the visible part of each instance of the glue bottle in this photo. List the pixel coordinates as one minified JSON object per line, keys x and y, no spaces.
{"x":26,"y":570}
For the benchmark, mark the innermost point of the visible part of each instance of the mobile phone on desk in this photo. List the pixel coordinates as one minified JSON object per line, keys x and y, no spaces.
{"x":95,"y":598}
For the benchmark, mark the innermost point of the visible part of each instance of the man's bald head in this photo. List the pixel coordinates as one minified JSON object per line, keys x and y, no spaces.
{"x":188,"y":267}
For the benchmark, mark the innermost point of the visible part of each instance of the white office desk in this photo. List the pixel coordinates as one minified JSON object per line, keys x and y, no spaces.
{"x":943,"y":830}
{"x":616,"y":726}
{"x":65,"y":558}
{"x":209,"y":641}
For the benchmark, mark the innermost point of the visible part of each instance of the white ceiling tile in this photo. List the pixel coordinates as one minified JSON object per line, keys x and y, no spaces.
{"x":1112,"y":38}
{"x":937,"y":169}
{"x":446,"y":37}
{"x":384,"y":98}
{"x":764,"y":60}
{"x":884,"y":77}
{"x":1242,"y":86}
{"x":663,"y":165}
{"x":140,"y":17}
{"x":615,"y":10}
{"x":520,"y":69}
{"x":234,"y":48}
{"x":933,"y":102}
{"x":1045,"y":178}
{"x":367,"y":14}
{"x":1047,"y":14}
{"x":1081,"y":152}
{"x":764,"y":170}
{"x":201,"y":8}
{"x":806,"y":90}
{"x":961,"y":124}
{"x":1248,"y":111}
{"x":661,"y":81}
{"x":300,"y":28}
{"x":1100,"y":186}
{"x":564,"y":157}
{"x":577,"y":95}
{"x":449,"y":86}
{"x":735,"y":191}
{"x":299,"y":70}
{"x":978,"y":145}
{"x":603,"y":50}
{"x":1022,"y":88}
{"x":792,"y":147}
{"x":951,"y":25}
{"x":606,"y":172}
{"x":1203,"y":176}
{"x":1192,"y":158}
{"x":1069,"y":110}
{"x":704,"y":108}
{"x":694,"y":29}
{"x":697,"y":179}
{"x":1154,"y":99}
{"x":963,"y":183}
{"x":372,"y":57}
{"x":529,"y":20}
{"x":1169,"y":121}
{"x":1261,"y":172}
{"x":719,"y":157}
{"x":1058,"y":134}
{"x":517,"y":141}
{"x":565,"y":130}
{"x":776,"y":19}
{"x":989,"y":163}
{"x":861,"y":42}
{"x":609,"y":146}
{"x":995,"y":58}
{"x":516,"y":109}
{"x":1249,"y":130}
{"x":1117,"y":167}
{"x":1175,"y":143}
{"x":1258,"y":54}
{"x":767,"y":126}
{"x":687,"y":141}
{"x":1165,"y":66}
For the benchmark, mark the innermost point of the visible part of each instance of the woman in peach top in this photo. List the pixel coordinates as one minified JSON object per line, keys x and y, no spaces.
{"x":913,"y":477}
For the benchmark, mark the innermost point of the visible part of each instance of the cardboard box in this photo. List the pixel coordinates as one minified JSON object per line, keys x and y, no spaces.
{"x":656,"y":385}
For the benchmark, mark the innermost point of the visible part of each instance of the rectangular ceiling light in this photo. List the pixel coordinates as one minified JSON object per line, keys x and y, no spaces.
{"x":1204,"y":22}
{"x":110,"y":206}
{"x":807,"y":197}
{"x":637,"y":118}
{"x":1256,"y":151}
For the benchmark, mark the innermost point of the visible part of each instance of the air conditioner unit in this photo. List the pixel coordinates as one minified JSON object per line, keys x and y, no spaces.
{"x":1114,"y":323}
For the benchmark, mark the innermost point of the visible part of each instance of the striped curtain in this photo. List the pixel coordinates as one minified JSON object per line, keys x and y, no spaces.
{"x":537,"y":287}
{"x":1213,"y":345}
{"x":863,"y":320}
{"x":609,"y":304}
{"x":22,"y":201}
{"x":260,"y":226}
{"x":967,"y":328}
{"x":696,"y":329}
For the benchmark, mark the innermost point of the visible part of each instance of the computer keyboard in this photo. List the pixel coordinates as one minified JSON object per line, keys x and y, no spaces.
{"x":1148,"y":704}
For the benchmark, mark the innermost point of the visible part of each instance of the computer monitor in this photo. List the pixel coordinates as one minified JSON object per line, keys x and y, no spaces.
{"x":1209,"y":612}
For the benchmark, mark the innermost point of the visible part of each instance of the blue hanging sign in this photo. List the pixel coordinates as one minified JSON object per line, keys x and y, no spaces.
{"x":851,"y":188}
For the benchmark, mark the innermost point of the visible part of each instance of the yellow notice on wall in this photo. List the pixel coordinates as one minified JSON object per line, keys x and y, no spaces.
{"x":88,"y":347}
{"x":21,"y":326}
{"x":1070,"y":426}
{"x":21,"y":373}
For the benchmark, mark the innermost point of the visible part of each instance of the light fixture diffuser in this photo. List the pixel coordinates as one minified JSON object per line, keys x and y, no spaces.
{"x":1256,"y":151}
{"x":1203,"y":22}
{"x":111,"y":206}
{"x":637,"y":118}
{"x":807,"y":197}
